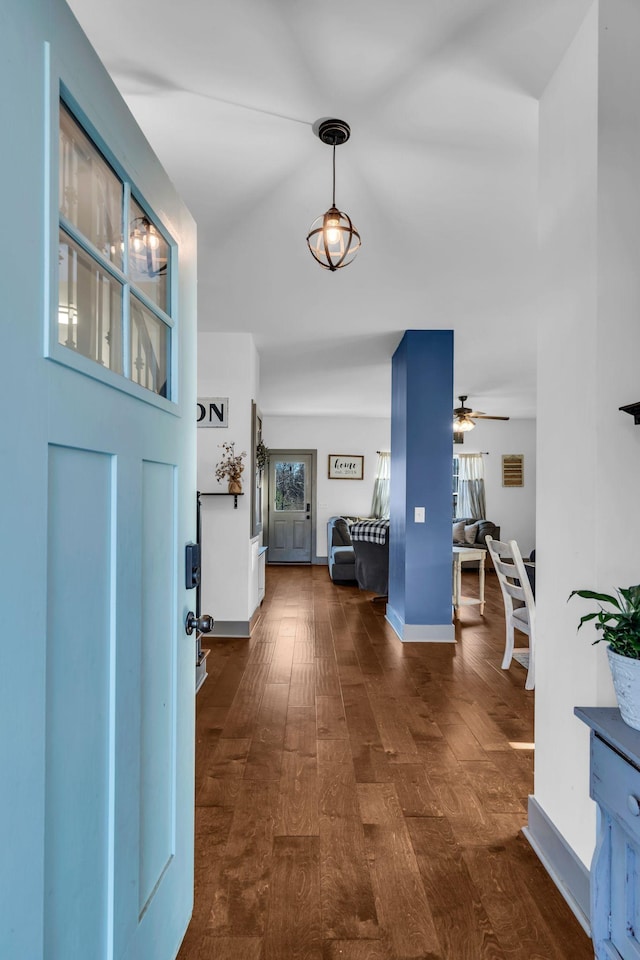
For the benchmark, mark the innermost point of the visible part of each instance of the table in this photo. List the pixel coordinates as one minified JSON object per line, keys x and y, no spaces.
{"x":460,"y":556}
{"x":615,"y":786}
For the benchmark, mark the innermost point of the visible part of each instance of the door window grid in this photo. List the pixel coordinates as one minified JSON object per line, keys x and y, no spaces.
{"x":98,"y":274}
{"x":149,"y":348}
{"x":91,"y":195}
{"x":89,"y":306}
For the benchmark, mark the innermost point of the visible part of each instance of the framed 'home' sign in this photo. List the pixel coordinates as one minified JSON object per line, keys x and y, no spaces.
{"x":346,"y":466}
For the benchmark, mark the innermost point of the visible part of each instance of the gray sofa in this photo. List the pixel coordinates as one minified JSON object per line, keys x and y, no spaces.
{"x":340,"y":555}
{"x":468,"y":532}
{"x":365,"y":563}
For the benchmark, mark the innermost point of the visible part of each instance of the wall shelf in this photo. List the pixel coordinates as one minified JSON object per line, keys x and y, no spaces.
{"x":633,"y":409}
{"x":224,"y":494}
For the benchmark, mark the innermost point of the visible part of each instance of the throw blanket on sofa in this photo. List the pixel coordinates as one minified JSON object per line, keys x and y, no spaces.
{"x":372,"y":531}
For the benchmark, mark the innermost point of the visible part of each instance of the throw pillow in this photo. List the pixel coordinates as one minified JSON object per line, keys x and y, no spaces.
{"x":458,"y":532}
{"x":471,"y":532}
{"x":485,"y":527}
{"x":341,"y":531}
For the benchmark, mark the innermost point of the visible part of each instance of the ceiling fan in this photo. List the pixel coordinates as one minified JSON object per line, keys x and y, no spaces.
{"x":463,"y":417}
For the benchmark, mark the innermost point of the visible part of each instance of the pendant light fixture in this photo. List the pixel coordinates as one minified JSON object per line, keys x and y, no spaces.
{"x":333,"y":240}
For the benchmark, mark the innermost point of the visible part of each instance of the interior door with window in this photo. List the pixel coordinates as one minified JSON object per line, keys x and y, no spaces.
{"x":290,"y":505}
{"x":97,"y":682}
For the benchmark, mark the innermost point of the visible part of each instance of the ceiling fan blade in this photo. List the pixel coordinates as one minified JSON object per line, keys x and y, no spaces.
{"x":486,"y":416}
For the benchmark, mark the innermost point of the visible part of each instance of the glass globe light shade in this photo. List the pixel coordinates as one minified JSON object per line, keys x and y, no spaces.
{"x":333,"y":240}
{"x":137,"y":240}
{"x":463,"y":425}
{"x":151,"y":238}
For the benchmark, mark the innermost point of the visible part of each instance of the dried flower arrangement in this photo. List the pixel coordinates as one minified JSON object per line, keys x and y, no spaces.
{"x":230,"y":467}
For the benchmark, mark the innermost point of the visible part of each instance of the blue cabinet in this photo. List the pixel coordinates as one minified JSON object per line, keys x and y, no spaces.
{"x":615,"y":870}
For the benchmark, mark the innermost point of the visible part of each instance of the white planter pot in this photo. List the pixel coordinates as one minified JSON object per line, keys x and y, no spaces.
{"x":626,"y":681}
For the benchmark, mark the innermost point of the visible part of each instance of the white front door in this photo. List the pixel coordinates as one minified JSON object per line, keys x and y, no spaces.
{"x":98,"y":489}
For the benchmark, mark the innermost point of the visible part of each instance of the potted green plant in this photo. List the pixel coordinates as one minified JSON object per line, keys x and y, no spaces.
{"x":230,"y":467}
{"x":620,"y":629}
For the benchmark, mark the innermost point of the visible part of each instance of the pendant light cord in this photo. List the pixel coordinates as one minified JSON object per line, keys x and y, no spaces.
{"x":334,"y":175}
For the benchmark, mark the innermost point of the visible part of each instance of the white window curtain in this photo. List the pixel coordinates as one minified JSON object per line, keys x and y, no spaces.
{"x":471,"y":499}
{"x":381,"y":487}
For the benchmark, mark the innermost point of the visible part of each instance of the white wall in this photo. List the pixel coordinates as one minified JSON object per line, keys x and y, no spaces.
{"x":358,"y":435}
{"x":566,"y":673}
{"x":512,"y":508}
{"x":227,"y":367}
{"x":589,"y":343}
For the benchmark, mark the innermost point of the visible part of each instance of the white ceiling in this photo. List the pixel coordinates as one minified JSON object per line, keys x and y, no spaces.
{"x":439,"y":176}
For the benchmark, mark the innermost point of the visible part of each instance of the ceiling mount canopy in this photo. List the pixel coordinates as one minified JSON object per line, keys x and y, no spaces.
{"x":333,"y":240}
{"x":331,"y":131}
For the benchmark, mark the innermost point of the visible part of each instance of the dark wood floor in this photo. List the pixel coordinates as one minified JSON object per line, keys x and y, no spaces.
{"x":361,"y":799}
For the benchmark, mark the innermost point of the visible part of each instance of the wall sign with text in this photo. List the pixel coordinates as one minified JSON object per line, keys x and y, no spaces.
{"x":345,"y":467}
{"x":213,"y":411}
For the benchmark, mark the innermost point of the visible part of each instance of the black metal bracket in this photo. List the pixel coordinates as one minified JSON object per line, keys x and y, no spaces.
{"x":223,"y":494}
{"x":634,"y":410}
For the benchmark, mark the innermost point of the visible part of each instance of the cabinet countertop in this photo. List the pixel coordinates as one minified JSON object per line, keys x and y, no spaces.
{"x":609,"y":726}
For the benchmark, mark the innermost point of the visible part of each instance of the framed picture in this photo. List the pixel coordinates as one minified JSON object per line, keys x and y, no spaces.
{"x":346,"y":466}
{"x":513,"y":470}
{"x":256,"y":472}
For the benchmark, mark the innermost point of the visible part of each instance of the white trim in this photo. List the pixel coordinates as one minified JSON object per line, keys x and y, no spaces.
{"x":420,"y":632}
{"x":567,"y":871}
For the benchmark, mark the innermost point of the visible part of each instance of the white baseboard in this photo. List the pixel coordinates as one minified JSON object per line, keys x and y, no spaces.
{"x":567,"y":871}
{"x":420,"y":632}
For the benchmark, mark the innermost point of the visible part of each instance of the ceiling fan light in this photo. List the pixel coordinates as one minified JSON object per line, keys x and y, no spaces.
{"x":463,"y":424}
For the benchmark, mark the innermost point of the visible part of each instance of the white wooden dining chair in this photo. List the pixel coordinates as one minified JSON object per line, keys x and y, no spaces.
{"x":519,"y":605}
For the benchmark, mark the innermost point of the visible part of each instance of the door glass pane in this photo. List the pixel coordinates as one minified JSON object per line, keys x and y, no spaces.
{"x":149,"y":349}
{"x":90,"y":193}
{"x":289,"y":486}
{"x":89,"y":306}
{"x":148,"y":257}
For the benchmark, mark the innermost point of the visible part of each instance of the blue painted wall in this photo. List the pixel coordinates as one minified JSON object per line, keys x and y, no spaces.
{"x":421,"y":456}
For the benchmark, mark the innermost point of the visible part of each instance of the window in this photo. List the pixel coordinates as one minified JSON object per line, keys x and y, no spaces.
{"x":381,"y":500}
{"x":290,"y":486}
{"x":113,"y":285}
{"x":456,"y":482}
{"x":469,"y":496}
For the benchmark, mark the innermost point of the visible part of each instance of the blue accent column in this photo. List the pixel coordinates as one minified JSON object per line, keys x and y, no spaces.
{"x":419,"y":607}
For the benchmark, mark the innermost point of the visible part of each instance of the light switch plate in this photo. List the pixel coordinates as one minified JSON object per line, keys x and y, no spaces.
{"x":418,"y":515}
